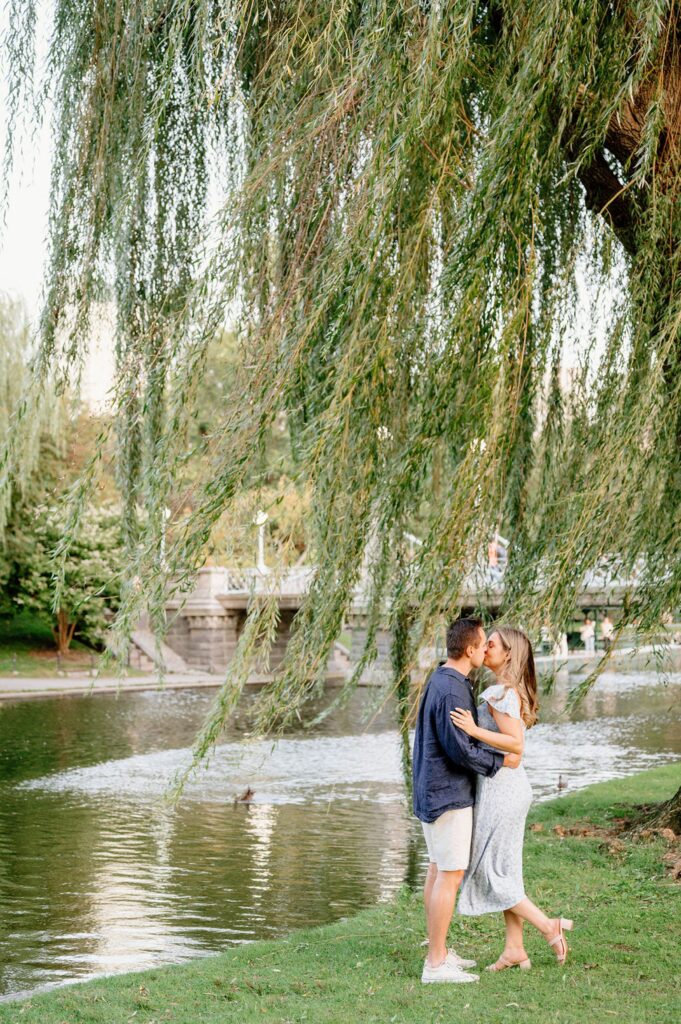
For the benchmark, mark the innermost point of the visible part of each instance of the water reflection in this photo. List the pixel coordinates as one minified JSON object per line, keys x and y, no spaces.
{"x":98,"y":874}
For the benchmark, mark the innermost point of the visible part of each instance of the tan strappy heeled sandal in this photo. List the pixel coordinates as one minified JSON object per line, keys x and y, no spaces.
{"x":560,"y":942}
{"x":503,"y":964}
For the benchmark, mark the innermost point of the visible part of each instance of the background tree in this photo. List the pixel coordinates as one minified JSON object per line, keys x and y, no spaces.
{"x":409,"y":195}
{"x":62,"y":441}
{"x":91,"y":574}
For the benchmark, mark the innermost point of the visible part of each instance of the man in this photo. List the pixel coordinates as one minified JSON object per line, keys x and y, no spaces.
{"x":607,"y":631}
{"x":588,"y":635}
{"x":445,"y":764}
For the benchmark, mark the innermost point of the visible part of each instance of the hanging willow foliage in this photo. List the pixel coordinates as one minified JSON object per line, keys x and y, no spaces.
{"x":51,"y":417}
{"x":408,"y":194}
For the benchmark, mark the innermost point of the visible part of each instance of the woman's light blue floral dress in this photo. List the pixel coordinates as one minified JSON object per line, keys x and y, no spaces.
{"x":494,"y":879}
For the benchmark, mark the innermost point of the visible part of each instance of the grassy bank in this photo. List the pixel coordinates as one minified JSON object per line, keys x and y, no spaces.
{"x":623,"y":966}
{"x":28,"y":650}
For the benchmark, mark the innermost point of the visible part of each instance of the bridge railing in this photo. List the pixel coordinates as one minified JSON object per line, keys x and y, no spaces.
{"x":484,"y":578}
{"x":252,"y":580}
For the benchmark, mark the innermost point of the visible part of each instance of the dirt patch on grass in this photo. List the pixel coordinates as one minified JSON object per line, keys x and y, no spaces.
{"x":622,"y":832}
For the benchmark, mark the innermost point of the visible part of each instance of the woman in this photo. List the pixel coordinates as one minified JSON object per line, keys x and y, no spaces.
{"x":494,"y":879}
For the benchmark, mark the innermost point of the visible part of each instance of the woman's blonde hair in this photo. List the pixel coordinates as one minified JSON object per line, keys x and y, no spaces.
{"x":519,"y":672}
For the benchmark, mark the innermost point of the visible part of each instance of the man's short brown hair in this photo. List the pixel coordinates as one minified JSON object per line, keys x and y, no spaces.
{"x":463,"y":633}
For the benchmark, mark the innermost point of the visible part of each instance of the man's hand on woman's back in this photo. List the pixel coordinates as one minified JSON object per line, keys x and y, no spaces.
{"x":512,"y":760}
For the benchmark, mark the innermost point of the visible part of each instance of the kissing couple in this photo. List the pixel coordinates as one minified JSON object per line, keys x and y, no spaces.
{"x":463,"y":757}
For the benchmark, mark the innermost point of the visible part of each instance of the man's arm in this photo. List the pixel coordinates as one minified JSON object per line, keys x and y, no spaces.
{"x":459,"y":747}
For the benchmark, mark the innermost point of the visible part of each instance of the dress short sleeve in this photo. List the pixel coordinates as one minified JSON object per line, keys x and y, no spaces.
{"x":503,"y":699}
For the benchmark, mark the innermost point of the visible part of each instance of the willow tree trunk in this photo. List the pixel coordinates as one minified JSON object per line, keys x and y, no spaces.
{"x":668,"y":814}
{"x":620,"y":196}
{"x":63,"y":634}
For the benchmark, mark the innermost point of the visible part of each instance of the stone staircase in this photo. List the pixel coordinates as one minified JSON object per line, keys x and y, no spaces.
{"x":144,"y":654}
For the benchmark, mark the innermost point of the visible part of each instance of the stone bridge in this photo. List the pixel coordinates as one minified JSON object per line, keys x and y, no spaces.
{"x":205,"y":625}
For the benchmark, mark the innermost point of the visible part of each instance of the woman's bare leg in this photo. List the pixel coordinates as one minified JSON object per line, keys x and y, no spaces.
{"x":529,"y":911}
{"x":514,"y":950}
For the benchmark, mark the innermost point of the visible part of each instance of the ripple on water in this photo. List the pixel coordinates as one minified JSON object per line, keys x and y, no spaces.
{"x":362,"y":767}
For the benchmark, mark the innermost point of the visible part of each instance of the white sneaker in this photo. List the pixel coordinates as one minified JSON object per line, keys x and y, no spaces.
{"x":453,"y":954}
{"x":446,"y":972}
{"x":454,"y":957}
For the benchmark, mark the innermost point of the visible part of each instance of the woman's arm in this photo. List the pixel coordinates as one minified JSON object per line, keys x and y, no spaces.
{"x":510,"y":739}
{"x":459,"y":747}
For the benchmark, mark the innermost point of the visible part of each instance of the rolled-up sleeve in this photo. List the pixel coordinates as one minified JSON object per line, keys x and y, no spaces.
{"x":461,"y":748}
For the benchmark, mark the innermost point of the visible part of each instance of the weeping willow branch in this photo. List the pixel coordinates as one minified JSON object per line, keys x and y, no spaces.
{"x":255,"y":641}
{"x":409,"y":197}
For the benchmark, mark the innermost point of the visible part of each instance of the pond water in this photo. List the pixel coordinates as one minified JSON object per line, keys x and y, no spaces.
{"x":99,"y":874}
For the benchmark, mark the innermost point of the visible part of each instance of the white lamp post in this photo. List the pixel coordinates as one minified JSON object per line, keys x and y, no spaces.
{"x":166,"y":516}
{"x":259,"y":521}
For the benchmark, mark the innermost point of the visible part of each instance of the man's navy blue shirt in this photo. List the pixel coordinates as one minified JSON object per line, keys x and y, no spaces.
{"x":446,"y":760}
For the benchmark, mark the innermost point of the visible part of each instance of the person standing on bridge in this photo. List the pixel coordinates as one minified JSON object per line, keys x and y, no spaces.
{"x":607,"y":631}
{"x":588,"y":635}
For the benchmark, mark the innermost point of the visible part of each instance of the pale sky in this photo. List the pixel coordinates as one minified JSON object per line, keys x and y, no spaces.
{"x":22,"y":243}
{"x":23,"y":237}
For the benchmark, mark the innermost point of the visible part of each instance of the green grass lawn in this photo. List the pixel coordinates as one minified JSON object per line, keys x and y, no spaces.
{"x":624,"y":962}
{"x":27,"y":648}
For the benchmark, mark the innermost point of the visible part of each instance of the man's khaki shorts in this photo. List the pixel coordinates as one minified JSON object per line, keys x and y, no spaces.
{"x":448,"y":839}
